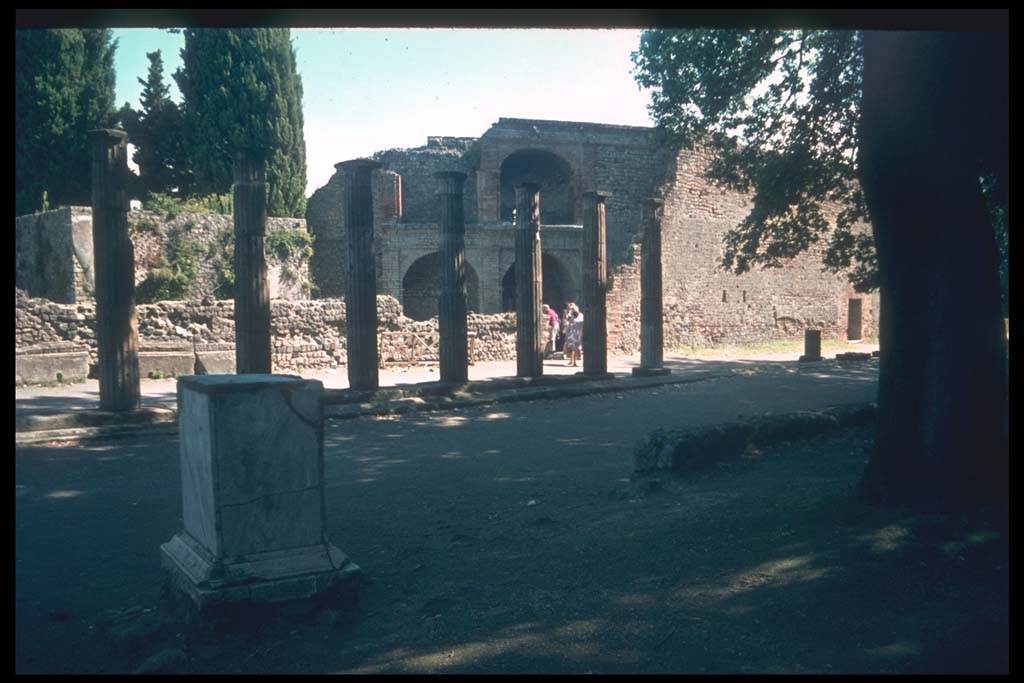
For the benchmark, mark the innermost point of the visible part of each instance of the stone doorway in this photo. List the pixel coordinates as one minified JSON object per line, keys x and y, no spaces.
{"x":552,"y":173}
{"x":421,"y":288}
{"x":558,"y":287}
{"x":854,"y":320}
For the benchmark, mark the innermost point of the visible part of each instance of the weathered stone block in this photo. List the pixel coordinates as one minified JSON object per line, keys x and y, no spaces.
{"x":166,"y":363}
{"x":40,"y":368}
{"x":215,"y":362}
{"x":252,"y":491}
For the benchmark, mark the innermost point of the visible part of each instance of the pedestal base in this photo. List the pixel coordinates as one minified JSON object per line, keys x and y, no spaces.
{"x":596,"y":375}
{"x":293,"y":574}
{"x":650,"y":372}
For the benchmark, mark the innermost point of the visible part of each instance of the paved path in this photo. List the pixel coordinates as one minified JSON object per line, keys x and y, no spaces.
{"x":54,"y":400}
{"x":469,"y":522}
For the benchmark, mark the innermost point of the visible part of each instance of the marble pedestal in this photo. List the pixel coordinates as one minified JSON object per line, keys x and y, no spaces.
{"x":253,"y":504}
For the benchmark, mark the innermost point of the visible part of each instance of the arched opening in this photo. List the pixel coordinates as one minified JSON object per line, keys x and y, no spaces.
{"x":551,"y":172}
{"x":558,"y":287}
{"x":421,"y":288}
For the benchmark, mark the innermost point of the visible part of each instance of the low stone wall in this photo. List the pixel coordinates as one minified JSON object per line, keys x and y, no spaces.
{"x":687,"y":450}
{"x":305,"y":334}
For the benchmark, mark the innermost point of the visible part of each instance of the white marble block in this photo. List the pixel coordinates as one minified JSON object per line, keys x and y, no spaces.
{"x":252,"y":481}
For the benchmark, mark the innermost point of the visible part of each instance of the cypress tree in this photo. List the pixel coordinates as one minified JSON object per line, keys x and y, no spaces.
{"x":64,"y":86}
{"x":156,"y":132}
{"x":241,"y":90}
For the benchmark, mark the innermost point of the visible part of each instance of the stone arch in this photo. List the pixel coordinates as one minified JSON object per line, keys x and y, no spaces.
{"x":558,"y":287}
{"x":555,"y":176}
{"x":421,"y":287}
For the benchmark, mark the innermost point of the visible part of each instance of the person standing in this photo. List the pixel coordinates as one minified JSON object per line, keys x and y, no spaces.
{"x":574,"y":337}
{"x":552,"y":327}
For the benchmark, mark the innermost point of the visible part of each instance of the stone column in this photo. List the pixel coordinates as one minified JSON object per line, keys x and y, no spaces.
{"x":651,"y":315}
{"x":361,"y":294}
{"x":117,"y":335}
{"x":252,"y":292}
{"x":529,"y":278}
{"x":452,"y":303}
{"x":252,"y":491}
{"x":595,"y":286}
{"x":812,"y":345}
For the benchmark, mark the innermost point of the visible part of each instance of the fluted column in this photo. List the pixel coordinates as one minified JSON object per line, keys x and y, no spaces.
{"x":252,"y":292}
{"x":651,"y":315}
{"x":117,"y":336}
{"x":361,"y":294}
{"x":595,"y":285}
{"x":452,"y":304}
{"x":529,"y":278}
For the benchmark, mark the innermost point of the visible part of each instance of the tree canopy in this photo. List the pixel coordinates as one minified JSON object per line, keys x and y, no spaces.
{"x":156,"y":131}
{"x":780,"y":109}
{"x":910,"y":131}
{"x":241,"y":90}
{"x":64,"y":87}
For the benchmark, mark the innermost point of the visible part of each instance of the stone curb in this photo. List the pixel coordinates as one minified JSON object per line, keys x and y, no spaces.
{"x":687,"y":450}
{"x":342,"y":404}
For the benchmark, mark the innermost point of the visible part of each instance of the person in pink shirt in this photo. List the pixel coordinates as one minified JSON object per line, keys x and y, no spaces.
{"x":552,"y":326}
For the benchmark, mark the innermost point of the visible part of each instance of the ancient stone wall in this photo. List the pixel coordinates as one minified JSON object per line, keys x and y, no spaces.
{"x":305,"y":334}
{"x":54,"y":252}
{"x":703,"y":304}
{"x":417,"y":168}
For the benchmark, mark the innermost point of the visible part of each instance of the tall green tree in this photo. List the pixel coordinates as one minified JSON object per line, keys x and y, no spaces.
{"x":898,"y":128}
{"x":241,"y":90}
{"x":156,"y":132}
{"x":64,"y":86}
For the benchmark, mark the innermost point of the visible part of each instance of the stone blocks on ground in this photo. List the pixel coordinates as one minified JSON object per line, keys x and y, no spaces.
{"x":691,"y":449}
{"x":215,"y":359}
{"x":167,"y":363}
{"x":46,"y":367}
{"x":253,"y":493}
{"x":650,"y":372}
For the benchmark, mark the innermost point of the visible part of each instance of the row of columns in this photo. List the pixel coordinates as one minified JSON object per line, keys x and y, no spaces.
{"x":117,"y":329}
{"x":361,"y":310}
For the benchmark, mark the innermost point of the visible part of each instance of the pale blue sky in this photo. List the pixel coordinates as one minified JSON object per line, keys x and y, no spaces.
{"x":366,"y":90}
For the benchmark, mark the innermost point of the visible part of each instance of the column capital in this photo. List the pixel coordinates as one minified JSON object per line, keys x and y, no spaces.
{"x":361,"y":164}
{"x":654,"y":202}
{"x":528,"y":187}
{"x":598,"y":195}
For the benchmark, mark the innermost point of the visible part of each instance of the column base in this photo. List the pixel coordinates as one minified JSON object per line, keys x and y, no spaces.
{"x":595,"y":375}
{"x":293,"y":574}
{"x":650,"y":372}
{"x":809,"y":359}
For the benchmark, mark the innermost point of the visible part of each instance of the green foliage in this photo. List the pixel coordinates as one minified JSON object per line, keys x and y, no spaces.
{"x":222,"y":255}
{"x":173,"y":206}
{"x":64,"y":87}
{"x":174,"y":277}
{"x":780,"y":109}
{"x":242,"y":92}
{"x":283,"y":244}
{"x":157,"y":132}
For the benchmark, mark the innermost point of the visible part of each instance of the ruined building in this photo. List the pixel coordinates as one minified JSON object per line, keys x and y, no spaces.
{"x":703,"y":304}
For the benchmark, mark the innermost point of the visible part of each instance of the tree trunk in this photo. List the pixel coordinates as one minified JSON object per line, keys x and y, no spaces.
{"x":942,"y":428}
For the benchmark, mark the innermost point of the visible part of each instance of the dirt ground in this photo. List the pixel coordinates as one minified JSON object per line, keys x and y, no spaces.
{"x":510,"y":540}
